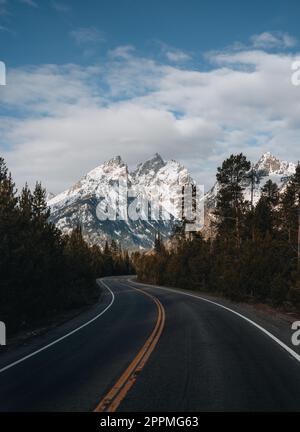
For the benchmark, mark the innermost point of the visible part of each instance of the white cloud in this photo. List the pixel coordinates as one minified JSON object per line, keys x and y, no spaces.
{"x":135,"y":106}
{"x":177,"y":56}
{"x":273,"y":40}
{"x":172,"y":54}
{"x":122,"y":51}
{"x":87,"y":35}
{"x":48,"y":89}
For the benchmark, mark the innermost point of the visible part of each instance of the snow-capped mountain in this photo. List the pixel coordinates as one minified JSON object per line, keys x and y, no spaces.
{"x":49,"y":196}
{"x":273,"y":166}
{"x":154,"y":179}
{"x":268,"y":167}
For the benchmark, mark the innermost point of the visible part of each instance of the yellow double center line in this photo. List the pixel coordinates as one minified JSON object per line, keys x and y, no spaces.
{"x":114,"y":397}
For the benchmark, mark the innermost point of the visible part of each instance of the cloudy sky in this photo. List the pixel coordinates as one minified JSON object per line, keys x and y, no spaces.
{"x":194,"y":80}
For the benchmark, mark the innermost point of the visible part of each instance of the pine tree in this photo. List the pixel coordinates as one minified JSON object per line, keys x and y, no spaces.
{"x":41,"y":212}
{"x":106,"y":249}
{"x":158,"y":244}
{"x":43,"y":272}
{"x":8,"y":200}
{"x":26,"y":203}
{"x":10,"y":234}
{"x":108,"y":259}
{"x":289,"y":208}
{"x":114,"y":247}
{"x":270,"y":191}
{"x":265,"y":214}
{"x":230,"y":206}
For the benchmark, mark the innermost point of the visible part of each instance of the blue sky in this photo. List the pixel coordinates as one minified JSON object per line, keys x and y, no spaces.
{"x":193,"y":80}
{"x":38,"y":31}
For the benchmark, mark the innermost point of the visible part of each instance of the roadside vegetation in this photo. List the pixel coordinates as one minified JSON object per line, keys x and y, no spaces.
{"x":252,"y":252}
{"x":42,"y":272}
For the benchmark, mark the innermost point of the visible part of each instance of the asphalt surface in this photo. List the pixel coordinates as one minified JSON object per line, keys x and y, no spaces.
{"x":206,"y":359}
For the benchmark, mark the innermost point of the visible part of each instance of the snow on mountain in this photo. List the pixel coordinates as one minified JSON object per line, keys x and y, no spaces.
{"x":49,"y":196}
{"x":273,"y":166}
{"x":154,"y":179}
{"x":268,"y":167}
{"x":161,"y":182}
{"x":93,"y":184}
{"x":146,"y":171}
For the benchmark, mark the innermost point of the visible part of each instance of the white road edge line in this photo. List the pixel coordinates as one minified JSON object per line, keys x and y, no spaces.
{"x":65,"y":336}
{"x":282,"y":344}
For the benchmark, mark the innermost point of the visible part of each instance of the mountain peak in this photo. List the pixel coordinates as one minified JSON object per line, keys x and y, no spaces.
{"x":155,"y":159}
{"x":268,"y":155}
{"x":157,"y":156}
{"x":154,"y":179}
{"x":270,"y":164}
{"x":150,"y":166}
{"x":115,"y":161}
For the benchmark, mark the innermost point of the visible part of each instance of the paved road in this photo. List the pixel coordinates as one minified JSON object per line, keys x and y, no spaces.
{"x":159,"y":351}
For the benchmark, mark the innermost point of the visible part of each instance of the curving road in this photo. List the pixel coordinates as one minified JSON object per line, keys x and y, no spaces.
{"x":143,"y":348}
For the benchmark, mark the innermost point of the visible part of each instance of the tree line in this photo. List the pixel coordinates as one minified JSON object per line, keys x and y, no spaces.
{"x":42,"y":271}
{"x":252,"y":252}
